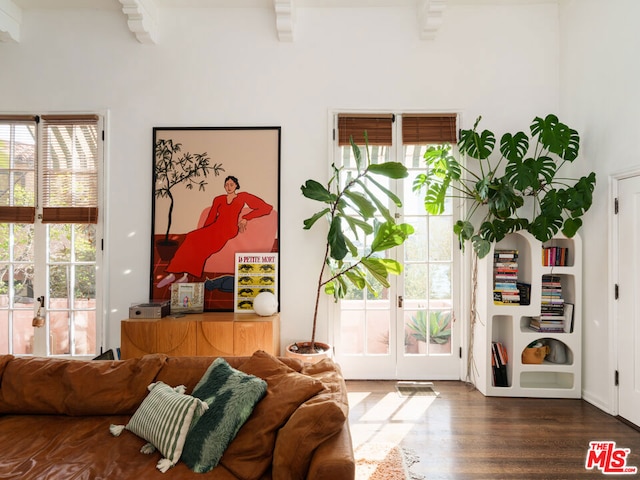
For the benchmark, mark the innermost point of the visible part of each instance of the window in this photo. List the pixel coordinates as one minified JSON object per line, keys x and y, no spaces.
{"x":49,"y":230}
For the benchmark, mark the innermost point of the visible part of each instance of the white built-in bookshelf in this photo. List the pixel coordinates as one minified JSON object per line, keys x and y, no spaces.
{"x":509,"y":323}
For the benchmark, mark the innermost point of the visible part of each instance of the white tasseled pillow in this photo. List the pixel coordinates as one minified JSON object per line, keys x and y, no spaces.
{"x":163,"y":420}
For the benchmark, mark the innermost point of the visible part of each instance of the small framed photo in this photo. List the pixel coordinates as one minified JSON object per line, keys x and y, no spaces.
{"x":187,"y":297}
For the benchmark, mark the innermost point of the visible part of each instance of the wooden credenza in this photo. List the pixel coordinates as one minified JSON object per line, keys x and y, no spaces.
{"x":206,"y":334}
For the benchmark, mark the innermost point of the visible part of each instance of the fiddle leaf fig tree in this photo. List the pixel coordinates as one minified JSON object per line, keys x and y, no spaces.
{"x":354,"y":205}
{"x":520,"y":171}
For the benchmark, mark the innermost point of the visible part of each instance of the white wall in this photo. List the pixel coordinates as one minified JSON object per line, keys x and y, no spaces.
{"x":600,"y":75}
{"x":225,"y":67}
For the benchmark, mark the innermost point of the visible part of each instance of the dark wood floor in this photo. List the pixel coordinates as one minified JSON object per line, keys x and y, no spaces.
{"x":461,"y":434}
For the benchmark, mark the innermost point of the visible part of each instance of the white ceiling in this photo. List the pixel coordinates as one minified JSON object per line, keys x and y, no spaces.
{"x":141,"y":14}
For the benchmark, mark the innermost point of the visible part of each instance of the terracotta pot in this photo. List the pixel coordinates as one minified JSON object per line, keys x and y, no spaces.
{"x":326,"y":352}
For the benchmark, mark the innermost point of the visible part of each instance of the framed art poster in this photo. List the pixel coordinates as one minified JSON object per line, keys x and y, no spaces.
{"x":255,"y":273}
{"x":215,"y":193}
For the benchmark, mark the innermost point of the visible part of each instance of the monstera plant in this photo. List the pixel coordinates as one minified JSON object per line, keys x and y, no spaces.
{"x":353,"y":205}
{"x":516,"y":186}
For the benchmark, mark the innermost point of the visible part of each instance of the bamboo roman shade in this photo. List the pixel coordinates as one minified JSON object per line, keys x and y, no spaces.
{"x":429,"y":128}
{"x":17,"y":168}
{"x":70,"y":168}
{"x":377,"y":126}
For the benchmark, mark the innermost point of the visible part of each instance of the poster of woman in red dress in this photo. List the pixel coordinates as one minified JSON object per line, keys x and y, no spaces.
{"x":196,"y":233}
{"x":223,"y":223}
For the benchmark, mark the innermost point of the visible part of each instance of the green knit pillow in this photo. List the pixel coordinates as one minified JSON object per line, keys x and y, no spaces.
{"x":163,"y":420}
{"x":231,"y":396}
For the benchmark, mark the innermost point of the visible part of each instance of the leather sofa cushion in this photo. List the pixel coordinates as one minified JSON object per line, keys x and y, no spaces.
{"x":4,"y":360}
{"x":319,"y":418}
{"x":74,"y":387}
{"x":250,"y":454}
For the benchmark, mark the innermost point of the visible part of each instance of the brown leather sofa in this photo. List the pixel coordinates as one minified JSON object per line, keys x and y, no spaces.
{"x":55,"y":416}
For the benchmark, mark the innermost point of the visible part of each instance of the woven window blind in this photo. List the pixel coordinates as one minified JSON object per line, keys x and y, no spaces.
{"x":429,"y":128}
{"x":377,"y":126}
{"x":18,"y":168}
{"x":70,"y":169}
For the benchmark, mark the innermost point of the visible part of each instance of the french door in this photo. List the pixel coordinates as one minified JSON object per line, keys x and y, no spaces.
{"x":50,"y":234}
{"x":628,"y":318}
{"x":410,"y":330}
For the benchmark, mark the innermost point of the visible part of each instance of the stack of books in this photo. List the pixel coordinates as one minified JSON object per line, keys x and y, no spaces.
{"x":499,"y":362}
{"x":505,"y":277}
{"x":554,"y":323}
{"x":554,"y":256}
{"x":552,"y":309}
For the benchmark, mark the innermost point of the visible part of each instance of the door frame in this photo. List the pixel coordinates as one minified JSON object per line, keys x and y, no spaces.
{"x":614,"y":275}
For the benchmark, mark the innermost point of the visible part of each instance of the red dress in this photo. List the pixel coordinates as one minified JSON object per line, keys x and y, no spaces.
{"x":220,"y":226}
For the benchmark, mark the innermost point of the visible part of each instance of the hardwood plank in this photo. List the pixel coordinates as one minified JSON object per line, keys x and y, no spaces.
{"x":461,"y":434}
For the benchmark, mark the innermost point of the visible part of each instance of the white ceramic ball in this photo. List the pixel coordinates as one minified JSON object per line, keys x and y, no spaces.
{"x":265,"y":304}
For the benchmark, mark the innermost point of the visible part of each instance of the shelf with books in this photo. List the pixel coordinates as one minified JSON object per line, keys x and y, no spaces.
{"x":558,"y":252}
{"x":517,"y":325}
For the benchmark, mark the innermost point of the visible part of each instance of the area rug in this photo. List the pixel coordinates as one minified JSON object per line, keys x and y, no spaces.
{"x":375,"y":461}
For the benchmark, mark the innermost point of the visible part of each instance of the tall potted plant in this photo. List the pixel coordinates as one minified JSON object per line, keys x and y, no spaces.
{"x":170,"y":170}
{"x":353,"y":204}
{"x":517,"y":187}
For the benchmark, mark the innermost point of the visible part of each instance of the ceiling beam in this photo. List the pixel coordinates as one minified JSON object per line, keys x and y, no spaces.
{"x":285,"y":19}
{"x":430,"y":17}
{"x":10,"y":21}
{"x":142,"y":19}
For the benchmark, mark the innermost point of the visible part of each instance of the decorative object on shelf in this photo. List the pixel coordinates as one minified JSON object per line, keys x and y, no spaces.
{"x":351,"y":206}
{"x":535,"y":352}
{"x":265,"y":304}
{"x":240,"y":165}
{"x":525,"y":195}
{"x":187,"y":298}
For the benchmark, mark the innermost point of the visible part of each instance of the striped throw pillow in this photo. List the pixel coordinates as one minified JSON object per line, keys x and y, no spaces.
{"x":163,"y":420}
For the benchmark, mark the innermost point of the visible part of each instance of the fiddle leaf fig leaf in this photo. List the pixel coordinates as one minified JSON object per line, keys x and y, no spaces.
{"x":389,"y":234}
{"x":356,"y":223}
{"x":360,"y":203}
{"x":308,"y":223}
{"x":316,"y":191}
{"x":514,"y":147}
{"x":377,"y":269}
{"x":382,"y":208}
{"x":357,"y":154}
{"x":356,"y":277}
{"x":395,"y":170}
{"x":392,"y":196}
{"x":335,"y":237}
